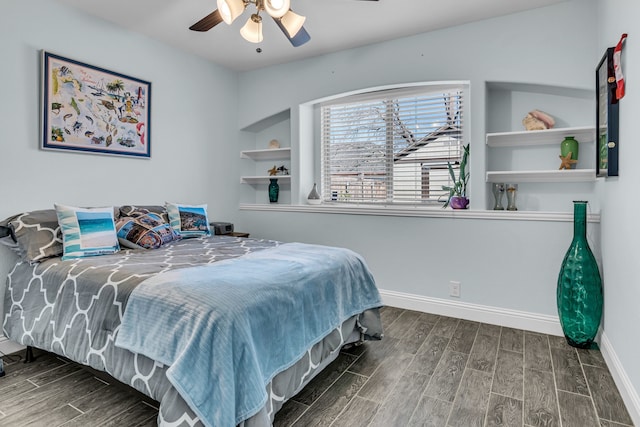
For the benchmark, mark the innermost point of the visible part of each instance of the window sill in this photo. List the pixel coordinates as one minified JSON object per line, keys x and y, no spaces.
{"x":422,"y":212}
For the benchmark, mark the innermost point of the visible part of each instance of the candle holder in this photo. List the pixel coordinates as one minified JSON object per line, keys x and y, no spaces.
{"x":512,"y":189}
{"x":498,"y":193}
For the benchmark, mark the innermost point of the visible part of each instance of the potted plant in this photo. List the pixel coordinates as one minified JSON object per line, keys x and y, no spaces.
{"x":457,"y":197}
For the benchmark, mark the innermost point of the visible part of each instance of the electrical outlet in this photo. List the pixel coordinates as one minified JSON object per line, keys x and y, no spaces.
{"x":454,"y":289}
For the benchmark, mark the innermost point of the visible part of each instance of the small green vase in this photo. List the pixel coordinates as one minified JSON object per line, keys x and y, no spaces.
{"x":579,"y":292}
{"x":274,"y":190}
{"x":570,"y":145}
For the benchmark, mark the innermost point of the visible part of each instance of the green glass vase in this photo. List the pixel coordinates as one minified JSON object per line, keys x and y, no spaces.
{"x":274,"y":190}
{"x":570,"y":145}
{"x":579,"y":293}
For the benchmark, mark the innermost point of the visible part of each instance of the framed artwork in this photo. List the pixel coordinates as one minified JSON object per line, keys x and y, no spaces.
{"x":92,"y":110}
{"x":606,"y":117}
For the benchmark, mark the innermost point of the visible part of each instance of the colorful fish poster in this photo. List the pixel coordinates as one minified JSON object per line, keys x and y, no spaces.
{"x":93,"y":110}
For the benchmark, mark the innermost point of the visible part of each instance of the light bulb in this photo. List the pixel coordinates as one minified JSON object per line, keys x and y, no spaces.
{"x":230,"y":10}
{"x":252,"y":30}
{"x":277,"y":8}
{"x":292,"y":22}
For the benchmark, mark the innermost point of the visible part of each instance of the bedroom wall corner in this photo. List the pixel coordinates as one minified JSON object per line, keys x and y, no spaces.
{"x":192,"y":127}
{"x":420,"y":256}
{"x":620,"y":226}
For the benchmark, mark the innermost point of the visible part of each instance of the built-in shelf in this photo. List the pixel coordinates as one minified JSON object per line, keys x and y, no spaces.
{"x":267,"y":154}
{"x":571,"y":175}
{"x":264,"y":179}
{"x":257,"y":159}
{"x":515,"y":155}
{"x":540,"y":137}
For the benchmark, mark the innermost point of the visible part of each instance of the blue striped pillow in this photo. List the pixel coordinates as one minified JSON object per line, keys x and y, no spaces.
{"x":87,"y":231}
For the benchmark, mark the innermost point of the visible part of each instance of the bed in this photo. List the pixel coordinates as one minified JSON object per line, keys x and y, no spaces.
{"x":219,"y":330}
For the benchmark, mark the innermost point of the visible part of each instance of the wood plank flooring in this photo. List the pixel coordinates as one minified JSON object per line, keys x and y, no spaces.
{"x":52,"y":391}
{"x":428,"y":371}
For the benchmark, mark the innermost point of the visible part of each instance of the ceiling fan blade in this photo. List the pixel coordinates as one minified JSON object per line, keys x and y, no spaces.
{"x":299,"y":39}
{"x":208,"y":22}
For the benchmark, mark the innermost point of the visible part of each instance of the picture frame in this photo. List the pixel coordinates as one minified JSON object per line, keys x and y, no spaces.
{"x":88,"y":109}
{"x":607,"y":117}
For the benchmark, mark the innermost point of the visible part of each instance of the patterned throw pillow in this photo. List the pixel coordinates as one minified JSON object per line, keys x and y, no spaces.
{"x":130,"y":210}
{"x":144,"y":229}
{"x":87,"y":231}
{"x":188,"y":220}
{"x":36,"y":233}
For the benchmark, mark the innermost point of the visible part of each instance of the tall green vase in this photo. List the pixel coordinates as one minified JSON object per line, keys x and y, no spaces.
{"x":579,"y":293}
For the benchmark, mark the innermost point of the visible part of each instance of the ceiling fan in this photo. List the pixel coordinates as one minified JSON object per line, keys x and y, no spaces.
{"x":228,"y":10}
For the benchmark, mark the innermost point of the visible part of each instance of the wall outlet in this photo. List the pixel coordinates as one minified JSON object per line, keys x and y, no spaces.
{"x":454,"y":289}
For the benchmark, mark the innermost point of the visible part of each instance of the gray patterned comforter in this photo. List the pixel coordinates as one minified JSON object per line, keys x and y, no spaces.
{"x":74,"y":308}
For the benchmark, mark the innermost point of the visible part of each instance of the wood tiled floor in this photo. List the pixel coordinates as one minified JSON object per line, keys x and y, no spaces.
{"x":428,"y":371}
{"x":439,"y":371}
{"x":52,"y":391}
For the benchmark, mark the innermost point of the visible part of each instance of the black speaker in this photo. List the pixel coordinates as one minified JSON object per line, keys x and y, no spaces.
{"x":221,"y":227}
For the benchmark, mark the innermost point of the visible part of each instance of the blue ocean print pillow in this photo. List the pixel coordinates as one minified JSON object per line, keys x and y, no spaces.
{"x":87,"y":231}
{"x":188,"y":220}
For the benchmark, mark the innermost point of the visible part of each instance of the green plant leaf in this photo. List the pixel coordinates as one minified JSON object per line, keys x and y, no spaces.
{"x":459,"y":187}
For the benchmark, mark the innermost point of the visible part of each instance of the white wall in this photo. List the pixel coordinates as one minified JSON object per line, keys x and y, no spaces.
{"x":193,"y":111}
{"x":620,"y":226}
{"x":506,"y":264}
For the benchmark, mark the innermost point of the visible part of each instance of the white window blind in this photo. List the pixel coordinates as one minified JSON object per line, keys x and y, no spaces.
{"x":392,"y":147}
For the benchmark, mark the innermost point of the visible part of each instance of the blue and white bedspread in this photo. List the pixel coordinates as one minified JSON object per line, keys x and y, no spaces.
{"x":228,"y":328}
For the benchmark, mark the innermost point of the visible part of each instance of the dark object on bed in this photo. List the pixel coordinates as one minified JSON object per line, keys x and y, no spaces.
{"x":77,"y":308}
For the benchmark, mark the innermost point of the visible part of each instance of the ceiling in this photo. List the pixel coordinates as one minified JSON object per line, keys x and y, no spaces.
{"x":333,"y":24}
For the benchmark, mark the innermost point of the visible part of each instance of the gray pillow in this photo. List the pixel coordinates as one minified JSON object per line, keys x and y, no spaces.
{"x":7,"y":241}
{"x":37,"y":234}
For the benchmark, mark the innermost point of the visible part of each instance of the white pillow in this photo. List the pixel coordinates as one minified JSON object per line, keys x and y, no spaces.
{"x":188,"y":220}
{"x":87,"y":231}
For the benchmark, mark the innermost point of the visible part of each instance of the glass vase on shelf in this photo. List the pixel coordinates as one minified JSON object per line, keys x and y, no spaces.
{"x":512,"y":190}
{"x":579,"y":292}
{"x":498,"y":191}
{"x":570,"y":147}
{"x":274,"y":190}
{"x":314,"y":197}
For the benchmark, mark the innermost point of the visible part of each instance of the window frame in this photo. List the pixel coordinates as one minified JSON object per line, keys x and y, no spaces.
{"x":395,"y":92}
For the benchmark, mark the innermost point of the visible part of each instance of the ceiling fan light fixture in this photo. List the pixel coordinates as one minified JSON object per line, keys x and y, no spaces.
{"x":292,"y":22}
{"x":277,"y":8}
{"x":252,"y":30}
{"x":230,"y":10}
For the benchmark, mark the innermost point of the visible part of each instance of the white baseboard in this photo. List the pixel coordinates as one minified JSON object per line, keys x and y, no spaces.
{"x":534,"y":322}
{"x":628,"y":392}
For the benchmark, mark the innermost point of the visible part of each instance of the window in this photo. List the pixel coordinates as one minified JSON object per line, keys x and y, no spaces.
{"x":392,"y":146}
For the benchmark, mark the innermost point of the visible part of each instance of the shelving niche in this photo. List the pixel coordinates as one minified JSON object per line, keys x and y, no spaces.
{"x":257,"y":158}
{"x":530,"y":158}
{"x":538,"y":138}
